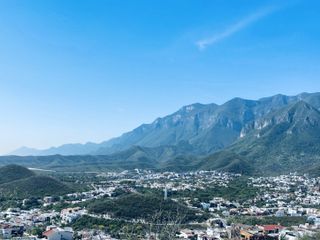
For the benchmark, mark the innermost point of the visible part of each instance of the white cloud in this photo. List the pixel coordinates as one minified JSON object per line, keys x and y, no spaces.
{"x":236,"y":27}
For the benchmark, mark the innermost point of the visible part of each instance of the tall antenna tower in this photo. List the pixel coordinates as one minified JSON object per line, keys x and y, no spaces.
{"x":165,"y":193}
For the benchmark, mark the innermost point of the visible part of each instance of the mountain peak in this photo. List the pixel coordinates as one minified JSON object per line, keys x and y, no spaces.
{"x":195,"y":107}
{"x":299,"y":111}
{"x":303,"y":105}
{"x":207,"y":127}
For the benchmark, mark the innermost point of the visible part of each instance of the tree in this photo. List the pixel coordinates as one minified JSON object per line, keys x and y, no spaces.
{"x":132,"y":232}
{"x":165,"y":226}
{"x":235,"y":232}
{"x":315,"y":236}
{"x":37,"y":231}
{"x":162,"y":225}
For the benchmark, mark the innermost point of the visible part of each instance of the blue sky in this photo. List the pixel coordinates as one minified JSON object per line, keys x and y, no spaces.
{"x":78,"y":71}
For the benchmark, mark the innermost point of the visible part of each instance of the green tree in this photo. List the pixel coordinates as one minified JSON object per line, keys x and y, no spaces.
{"x":312,"y":237}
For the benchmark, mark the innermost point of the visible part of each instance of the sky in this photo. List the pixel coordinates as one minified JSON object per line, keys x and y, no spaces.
{"x":89,"y":70}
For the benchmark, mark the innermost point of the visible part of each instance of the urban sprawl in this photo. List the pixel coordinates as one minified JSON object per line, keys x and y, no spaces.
{"x":214,"y":206}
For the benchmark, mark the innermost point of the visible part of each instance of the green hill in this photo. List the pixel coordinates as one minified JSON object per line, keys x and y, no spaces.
{"x":19,"y":182}
{"x":13,"y":172}
{"x":139,"y":205}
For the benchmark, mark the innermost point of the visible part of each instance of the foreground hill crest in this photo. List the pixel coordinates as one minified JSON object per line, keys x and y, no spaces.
{"x":19,"y":182}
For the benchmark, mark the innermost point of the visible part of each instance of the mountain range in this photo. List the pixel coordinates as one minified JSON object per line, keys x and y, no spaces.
{"x":271,"y":135}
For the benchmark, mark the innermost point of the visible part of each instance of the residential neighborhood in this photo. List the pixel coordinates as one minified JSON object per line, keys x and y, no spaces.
{"x":286,"y":207}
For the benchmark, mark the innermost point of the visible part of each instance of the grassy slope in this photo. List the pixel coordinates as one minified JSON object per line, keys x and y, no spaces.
{"x":14,"y":172}
{"x":137,"y":205}
{"x":19,"y":182}
{"x":35,"y":186}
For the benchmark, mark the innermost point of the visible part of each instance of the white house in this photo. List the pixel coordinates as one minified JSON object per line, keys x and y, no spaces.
{"x":59,"y":234}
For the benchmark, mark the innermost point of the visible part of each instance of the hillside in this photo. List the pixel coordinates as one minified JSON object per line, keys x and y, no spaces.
{"x":134,"y":157}
{"x":22,"y":183}
{"x":141,"y":206}
{"x":285,"y":140}
{"x":36,"y":186}
{"x":13,"y":172}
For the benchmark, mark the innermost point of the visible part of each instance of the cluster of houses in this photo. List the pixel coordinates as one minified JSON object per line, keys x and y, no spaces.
{"x":283,"y":196}
{"x":288,"y":190}
{"x":208,"y":234}
{"x":15,"y":222}
{"x":247,"y":232}
{"x":69,"y":215}
{"x":184,"y":181}
{"x":8,"y":230}
{"x":270,"y":232}
{"x":276,"y":232}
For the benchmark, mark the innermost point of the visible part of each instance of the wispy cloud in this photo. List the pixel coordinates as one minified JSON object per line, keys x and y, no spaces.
{"x":236,"y":27}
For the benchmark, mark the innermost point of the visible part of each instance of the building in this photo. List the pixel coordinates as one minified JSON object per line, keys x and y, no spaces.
{"x":272,"y":231}
{"x":8,"y":231}
{"x":59,"y":234}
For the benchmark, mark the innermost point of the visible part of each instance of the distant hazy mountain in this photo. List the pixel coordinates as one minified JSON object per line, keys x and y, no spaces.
{"x":206,"y":128}
{"x":66,"y":149}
